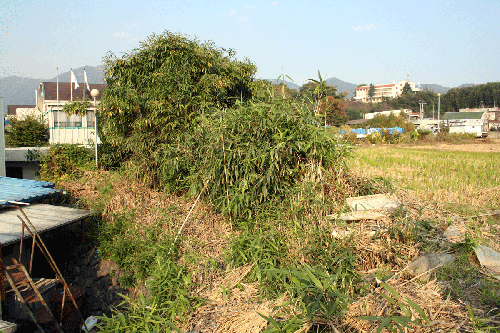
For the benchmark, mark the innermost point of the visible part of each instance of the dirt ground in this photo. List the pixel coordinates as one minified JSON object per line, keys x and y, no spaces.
{"x":486,"y":146}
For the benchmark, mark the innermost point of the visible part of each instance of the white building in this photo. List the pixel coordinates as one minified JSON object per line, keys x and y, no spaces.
{"x":23,"y":111}
{"x":387,"y":113}
{"x":64,"y":128}
{"x":383,"y":90}
{"x":467,"y":122}
{"x":491,"y":115}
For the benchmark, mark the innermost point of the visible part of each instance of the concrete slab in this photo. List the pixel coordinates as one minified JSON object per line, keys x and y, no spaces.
{"x":44,"y":217}
{"x":372,"y":202}
{"x":359,"y":215}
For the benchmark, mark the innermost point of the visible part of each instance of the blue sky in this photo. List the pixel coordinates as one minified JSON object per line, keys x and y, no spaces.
{"x":442,"y":42}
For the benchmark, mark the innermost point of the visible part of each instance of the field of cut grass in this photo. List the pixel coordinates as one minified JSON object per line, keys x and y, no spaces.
{"x":456,"y":177}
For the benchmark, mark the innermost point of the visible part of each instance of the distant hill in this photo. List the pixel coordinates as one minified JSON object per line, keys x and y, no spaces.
{"x":465,"y":85}
{"x":435,"y":87}
{"x":341,"y":86}
{"x":21,"y":91}
{"x":290,"y":85}
{"x":17,"y":90}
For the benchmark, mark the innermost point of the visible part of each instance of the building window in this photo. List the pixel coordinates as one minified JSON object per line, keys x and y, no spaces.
{"x":61,"y":119}
{"x":90,"y":119}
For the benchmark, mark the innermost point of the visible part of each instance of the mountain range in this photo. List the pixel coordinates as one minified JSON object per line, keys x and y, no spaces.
{"x":16,"y":90}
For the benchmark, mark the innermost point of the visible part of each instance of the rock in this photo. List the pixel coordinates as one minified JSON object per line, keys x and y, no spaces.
{"x":106,"y":267}
{"x":89,"y":283}
{"x":452,"y":234}
{"x":489,"y":259}
{"x":102,"y":283}
{"x":372,"y":202}
{"x":339,"y":233}
{"x":359,"y":215}
{"x":430,"y":261}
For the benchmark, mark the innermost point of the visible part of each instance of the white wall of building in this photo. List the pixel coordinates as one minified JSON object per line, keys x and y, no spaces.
{"x":69,"y":129}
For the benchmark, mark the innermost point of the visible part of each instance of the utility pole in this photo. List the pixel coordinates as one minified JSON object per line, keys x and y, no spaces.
{"x":439,"y":110}
{"x":422,"y":103}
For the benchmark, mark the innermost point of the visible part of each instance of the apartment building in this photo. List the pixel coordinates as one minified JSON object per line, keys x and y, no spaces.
{"x":383,"y":90}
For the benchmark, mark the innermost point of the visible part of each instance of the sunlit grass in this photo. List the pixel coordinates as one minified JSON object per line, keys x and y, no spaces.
{"x":471,"y":178}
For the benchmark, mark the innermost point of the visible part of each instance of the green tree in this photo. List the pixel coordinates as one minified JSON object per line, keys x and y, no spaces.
{"x":407,"y":88}
{"x":315,"y":90}
{"x":29,"y":132}
{"x":156,"y":92}
{"x":371,"y":91}
{"x":334,"y":111}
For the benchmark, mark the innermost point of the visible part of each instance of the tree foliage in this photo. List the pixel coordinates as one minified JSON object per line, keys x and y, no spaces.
{"x":482,"y":95}
{"x":334,"y":110}
{"x":383,"y":121}
{"x":77,"y":107}
{"x":371,"y":90}
{"x":158,"y":90}
{"x":407,"y":88}
{"x":29,"y":132}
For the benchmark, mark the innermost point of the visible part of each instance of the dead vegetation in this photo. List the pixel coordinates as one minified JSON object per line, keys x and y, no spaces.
{"x":233,"y":303}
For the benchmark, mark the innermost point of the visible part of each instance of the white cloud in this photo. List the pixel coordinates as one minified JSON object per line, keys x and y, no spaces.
{"x":233,"y":12}
{"x":274,"y":3}
{"x":250,"y":7}
{"x":361,"y":28}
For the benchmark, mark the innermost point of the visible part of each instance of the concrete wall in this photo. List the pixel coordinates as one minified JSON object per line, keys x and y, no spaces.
{"x":26,"y":158}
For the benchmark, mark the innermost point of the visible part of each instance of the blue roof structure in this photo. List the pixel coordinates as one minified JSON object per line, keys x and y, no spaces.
{"x":24,"y":190}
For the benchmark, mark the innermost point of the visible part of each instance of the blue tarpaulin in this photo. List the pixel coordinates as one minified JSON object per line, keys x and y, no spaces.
{"x":363,"y":131}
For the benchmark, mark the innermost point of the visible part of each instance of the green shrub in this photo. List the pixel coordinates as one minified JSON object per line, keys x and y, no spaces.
{"x":29,"y":132}
{"x":374,"y":138}
{"x":250,"y":154}
{"x":264,"y":249}
{"x":118,"y":240}
{"x":64,"y":161}
{"x":142,"y":315}
{"x":314,"y":292}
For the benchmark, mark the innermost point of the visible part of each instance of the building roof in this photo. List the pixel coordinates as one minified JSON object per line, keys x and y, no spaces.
{"x":376,"y":86}
{"x":356,"y":121}
{"x":65,"y":90}
{"x":43,"y":217}
{"x":11,"y":109}
{"x":24,"y":190}
{"x":462,"y":115}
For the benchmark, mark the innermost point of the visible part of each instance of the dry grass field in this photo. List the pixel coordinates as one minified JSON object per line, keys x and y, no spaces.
{"x":460,"y":175}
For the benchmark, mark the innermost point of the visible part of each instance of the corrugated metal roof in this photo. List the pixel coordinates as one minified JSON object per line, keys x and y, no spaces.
{"x":462,"y":115}
{"x":24,"y":190}
{"x":43,"y":217}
